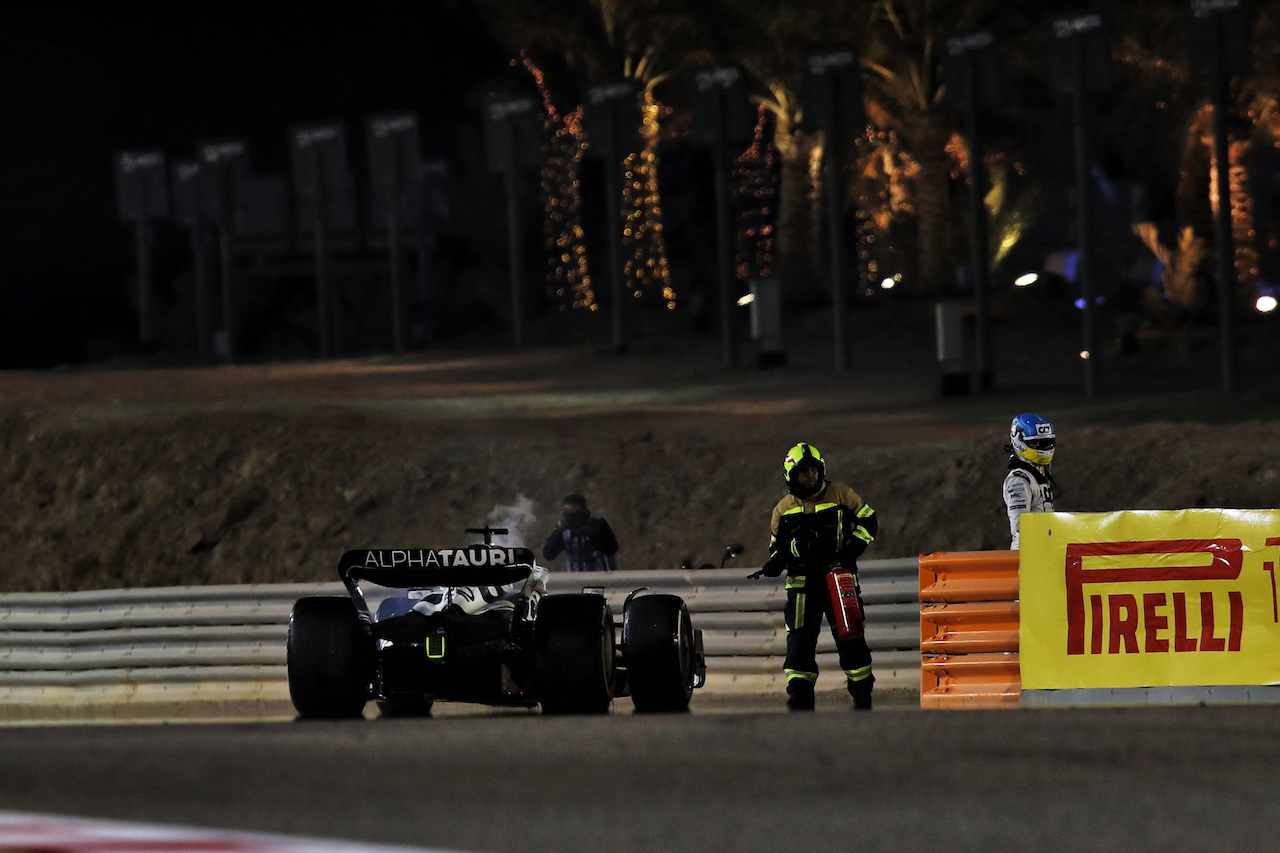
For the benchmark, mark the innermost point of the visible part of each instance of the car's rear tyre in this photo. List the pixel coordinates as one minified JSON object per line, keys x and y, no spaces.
{"x":330,"y":658}
{"x":574,"y":643}
{"x":658,"y":645}
{"x":405,"y":707}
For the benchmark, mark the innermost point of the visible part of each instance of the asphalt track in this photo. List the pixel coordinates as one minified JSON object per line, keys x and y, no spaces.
{"x":1199,"y":778}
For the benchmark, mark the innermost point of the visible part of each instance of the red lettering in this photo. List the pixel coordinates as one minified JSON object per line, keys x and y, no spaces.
{"x":1237,"y":620}
{"x":1271,"y":567}
{"x":1275,"y":605}
{"x":1095,"y":607}
{"x":1123,"y":627}
{"x":1208,"y":642}
{"x":1227,"y":558}
{"x":1153,"y":622}
{"x":1181,"y":642}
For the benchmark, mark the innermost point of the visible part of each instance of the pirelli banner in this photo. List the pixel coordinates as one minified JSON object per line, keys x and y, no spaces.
{"x":1149,"y":599}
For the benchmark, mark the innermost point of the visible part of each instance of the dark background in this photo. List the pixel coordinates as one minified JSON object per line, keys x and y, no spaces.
{"x":83,"y":85}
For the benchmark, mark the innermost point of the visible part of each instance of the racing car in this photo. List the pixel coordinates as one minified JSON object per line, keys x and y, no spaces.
{"x":476,"y":624}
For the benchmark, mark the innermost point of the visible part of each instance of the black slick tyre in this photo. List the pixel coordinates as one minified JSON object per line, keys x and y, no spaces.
{"x":658,"y":645}
{"x":330,"y":658}
{"x":574,"y":654}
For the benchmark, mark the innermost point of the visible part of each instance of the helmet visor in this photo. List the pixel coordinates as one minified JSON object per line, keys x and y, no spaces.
{"x":1041,"y":444}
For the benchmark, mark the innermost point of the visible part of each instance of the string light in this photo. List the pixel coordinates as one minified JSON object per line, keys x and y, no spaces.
{"x":645,"y":269}
{"x":568,"y":272}
{"x":755,"y":192}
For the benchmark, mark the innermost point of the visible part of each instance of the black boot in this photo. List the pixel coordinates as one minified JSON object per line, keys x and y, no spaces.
{"x":799,"y":695}
{"x":861,"y":693}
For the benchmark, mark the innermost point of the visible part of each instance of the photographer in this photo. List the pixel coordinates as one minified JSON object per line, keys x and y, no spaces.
{"x":586,"y":540}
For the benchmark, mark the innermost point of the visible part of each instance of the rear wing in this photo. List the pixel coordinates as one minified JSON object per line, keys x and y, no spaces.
{"x":474,"y":565}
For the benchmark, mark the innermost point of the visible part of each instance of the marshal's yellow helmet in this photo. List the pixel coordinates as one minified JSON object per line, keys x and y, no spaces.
{"x":803,"y":456}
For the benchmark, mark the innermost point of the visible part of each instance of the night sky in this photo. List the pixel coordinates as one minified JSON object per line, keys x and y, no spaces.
{"x":82,"y":86}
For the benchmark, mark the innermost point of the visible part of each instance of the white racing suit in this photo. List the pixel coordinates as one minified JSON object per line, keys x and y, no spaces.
{"x":1027,"y":488}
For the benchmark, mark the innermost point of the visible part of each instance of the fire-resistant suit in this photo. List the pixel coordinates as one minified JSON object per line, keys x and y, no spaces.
{"x":810,"y":535}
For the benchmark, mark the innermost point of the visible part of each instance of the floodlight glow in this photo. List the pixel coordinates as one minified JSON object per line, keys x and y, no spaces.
{"x":1084,"y":354}
{"x":747,"y":300}
{"x":887,"y":284}
{"x":1025,"y":279}
{"x":1266,"y":304}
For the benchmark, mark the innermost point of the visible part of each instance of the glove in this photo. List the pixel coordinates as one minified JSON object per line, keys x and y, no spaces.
{"x":773,"y":567}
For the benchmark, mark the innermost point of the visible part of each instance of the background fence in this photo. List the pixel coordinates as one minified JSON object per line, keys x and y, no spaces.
{"x":222,"y":648}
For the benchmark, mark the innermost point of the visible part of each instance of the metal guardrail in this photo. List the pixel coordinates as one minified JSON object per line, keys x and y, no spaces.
{"x":227,"y":643}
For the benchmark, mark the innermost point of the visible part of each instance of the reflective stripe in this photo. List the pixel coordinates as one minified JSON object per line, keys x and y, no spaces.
{"x":865,"y":511}
{"x":795,"y":673}
{"x":799,"y":609}
{"x":863,"y":535}
{"x":839,"y":528}
{"x":795,"y":549}
{"x":795,"y":581}
{"x":862,"y":673}
{"x":816,"y":508}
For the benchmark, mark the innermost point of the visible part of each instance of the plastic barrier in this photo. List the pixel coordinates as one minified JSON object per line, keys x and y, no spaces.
{"x":969,"y":630}
{"x":73,"y":654}
{"x":969,"y":576}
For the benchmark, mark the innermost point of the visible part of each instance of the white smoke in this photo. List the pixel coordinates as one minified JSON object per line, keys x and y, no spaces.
{"x":516,"y":518}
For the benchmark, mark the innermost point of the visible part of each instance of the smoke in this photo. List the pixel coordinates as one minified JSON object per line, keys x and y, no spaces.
{"x":516,"y":518}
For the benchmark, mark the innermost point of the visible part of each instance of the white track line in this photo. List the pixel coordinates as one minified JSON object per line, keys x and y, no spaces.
{"x":57,"y":834}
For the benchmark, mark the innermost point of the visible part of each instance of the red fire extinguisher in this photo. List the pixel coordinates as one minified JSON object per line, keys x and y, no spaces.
{"x":843,"y":587}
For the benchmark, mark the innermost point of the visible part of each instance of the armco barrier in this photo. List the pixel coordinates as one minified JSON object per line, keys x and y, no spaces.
{"x":66,"y":654}
{"x":969,"y":630}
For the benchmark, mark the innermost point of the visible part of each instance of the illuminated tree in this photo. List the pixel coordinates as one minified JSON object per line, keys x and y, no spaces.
{"x":643,"y":41}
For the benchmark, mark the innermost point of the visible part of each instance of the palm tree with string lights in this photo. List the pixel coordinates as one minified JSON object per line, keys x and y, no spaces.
{"x":641,"y":41}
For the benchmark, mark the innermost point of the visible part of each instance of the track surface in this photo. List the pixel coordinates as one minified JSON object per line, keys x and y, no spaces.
{"x":896,"y":779}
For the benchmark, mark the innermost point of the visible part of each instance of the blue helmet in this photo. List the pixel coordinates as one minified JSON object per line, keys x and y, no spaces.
{"x":1031,"y":437}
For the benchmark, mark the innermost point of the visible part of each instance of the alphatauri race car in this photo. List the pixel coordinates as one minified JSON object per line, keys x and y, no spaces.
{"x":475,"y":624}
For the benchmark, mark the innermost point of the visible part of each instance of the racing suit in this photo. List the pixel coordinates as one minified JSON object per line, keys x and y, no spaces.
{"x":1027,"y":488}
{"x":589,"y":547}
{"x":811,"y":535}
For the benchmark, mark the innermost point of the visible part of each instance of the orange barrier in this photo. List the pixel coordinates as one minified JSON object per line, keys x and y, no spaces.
{"x":970,"y":681}
{"x":969,"y":630}
{"x":969,"y":576}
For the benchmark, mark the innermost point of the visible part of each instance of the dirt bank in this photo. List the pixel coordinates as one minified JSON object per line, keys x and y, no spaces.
{"x":278,"y":495}
{"x":135,"y":476}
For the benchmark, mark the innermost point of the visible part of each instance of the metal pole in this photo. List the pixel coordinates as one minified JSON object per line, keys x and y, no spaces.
{"x":1084,"y":267}
{"x":724,"y":247}
{"x":426,"y":289}
{"x":833,"y":178}
{"x":323,"y":312}
{"x":396,"y":251}
{"x":513,"y":243}
{"x":200,"y":269}
{"x":228,"y":284}
{"x":146,"y":333}
{"x":1226,"y":243}
{"x":978,"y":228}
{"x":613,"y":187}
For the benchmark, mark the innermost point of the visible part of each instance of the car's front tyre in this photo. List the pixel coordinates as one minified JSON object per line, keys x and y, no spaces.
{"x":658,"y":645}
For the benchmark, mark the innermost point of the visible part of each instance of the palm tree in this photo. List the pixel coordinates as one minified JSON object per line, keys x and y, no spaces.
{"x":643,"y":41}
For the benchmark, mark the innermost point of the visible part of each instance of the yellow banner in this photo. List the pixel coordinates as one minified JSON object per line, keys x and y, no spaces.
{"x":1149,"y":598}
